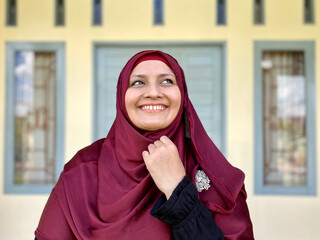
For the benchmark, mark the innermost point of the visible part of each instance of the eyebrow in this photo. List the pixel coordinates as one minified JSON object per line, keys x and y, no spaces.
{"x":137,"y":75}
{"x":161,"y":75}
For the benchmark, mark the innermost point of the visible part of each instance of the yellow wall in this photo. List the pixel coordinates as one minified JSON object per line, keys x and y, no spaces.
{"x":274,"y":217}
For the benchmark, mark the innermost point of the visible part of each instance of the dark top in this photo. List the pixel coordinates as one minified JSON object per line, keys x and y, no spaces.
{"x":186,"y":214}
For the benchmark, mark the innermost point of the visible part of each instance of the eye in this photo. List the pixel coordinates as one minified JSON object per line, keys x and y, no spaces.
{"x":136,"y":83}
{"x":168,"y":81}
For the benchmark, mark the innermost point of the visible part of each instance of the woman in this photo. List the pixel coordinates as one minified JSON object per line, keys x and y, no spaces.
{"x":141,"y":181}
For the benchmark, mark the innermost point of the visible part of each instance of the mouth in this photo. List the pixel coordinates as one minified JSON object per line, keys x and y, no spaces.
{"x":153,"y":108}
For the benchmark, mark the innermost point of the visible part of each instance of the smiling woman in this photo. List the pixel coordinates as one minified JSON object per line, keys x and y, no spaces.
{"x":153,"y":98}
{"x":142,"y":179}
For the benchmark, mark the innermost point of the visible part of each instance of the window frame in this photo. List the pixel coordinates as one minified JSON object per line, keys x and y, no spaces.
{"x":11,"y":47}
{"x":262,"y":13}
{"x":8,"y":24}
{"x":308,"y":48}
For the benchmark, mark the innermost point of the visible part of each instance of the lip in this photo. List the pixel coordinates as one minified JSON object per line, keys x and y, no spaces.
{"x":152,"y":107}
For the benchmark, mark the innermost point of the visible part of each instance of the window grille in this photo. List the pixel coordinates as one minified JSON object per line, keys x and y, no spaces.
{"x":97,"y":12}
{"x":11,"y":13}
{"x":34,"y":118}
{"x":158,"y":12}
{"x":221,"y":12}
{"x":284,"y":119}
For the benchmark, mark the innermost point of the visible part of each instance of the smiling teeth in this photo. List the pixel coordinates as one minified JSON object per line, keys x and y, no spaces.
{"x":153,"y":107}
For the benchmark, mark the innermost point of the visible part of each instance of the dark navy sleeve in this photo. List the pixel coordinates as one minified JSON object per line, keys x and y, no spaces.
{"x":186,"y":214}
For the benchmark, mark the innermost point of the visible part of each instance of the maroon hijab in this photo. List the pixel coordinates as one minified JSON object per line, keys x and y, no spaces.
{"x":106,"y":192}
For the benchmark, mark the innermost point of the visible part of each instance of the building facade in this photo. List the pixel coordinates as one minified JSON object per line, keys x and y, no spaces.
{"x":252,"y":73}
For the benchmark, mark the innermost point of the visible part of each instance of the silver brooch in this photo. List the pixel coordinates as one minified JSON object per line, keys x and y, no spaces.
{"x":202,"y":181}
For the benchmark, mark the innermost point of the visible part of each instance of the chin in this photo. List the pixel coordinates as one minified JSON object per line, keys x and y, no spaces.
{"x":152,"y":127}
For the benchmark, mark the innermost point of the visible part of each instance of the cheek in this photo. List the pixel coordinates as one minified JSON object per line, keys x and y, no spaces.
{"x":128,"y":101}
{"x":176,"y":98}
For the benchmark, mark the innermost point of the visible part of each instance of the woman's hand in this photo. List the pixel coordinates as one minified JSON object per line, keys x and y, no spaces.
{"x":164,"y":164}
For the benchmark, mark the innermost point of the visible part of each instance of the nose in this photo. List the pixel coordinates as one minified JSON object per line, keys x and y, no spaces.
{"x":153,"y":90}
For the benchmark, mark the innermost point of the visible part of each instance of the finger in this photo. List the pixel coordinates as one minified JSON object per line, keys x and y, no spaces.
{"x":145,"y":155}
{"x":151,"y":148}
{"x":166,"y":140}
{"x":158,"y":143}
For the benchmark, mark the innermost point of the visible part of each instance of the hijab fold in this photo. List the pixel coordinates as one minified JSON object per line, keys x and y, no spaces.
{"x":106,"y":192}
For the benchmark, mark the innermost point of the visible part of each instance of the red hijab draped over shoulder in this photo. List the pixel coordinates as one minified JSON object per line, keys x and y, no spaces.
{"x":106,"y":192}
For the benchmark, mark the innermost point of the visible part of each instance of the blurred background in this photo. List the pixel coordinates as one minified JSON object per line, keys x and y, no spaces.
{"x":251,"y":69}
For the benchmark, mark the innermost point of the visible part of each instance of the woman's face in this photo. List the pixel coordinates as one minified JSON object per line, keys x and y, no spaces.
{"x":153,"y":97}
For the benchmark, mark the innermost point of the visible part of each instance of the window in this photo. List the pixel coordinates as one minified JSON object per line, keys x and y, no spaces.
{"x":33,"y":117}
{"x":158,"y":12}
{"x":221,"y":12}
{"x":285,"y":120}
{"x":97,"y":12}
{"x":308,"y":11}
{"x":258,"y":11}
{"x":60,"y":12}
{"x":11,"y":13}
